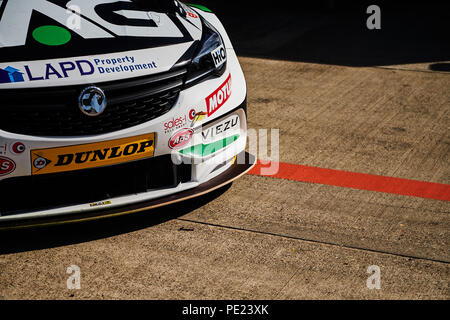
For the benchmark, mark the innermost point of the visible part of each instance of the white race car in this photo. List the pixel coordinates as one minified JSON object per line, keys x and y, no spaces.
{"x":109,"y":107}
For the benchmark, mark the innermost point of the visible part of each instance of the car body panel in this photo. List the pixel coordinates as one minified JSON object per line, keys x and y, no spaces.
{"x":219,"y":100}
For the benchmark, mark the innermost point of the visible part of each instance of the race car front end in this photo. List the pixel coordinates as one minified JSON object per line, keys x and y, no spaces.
{"x":116,"y":132}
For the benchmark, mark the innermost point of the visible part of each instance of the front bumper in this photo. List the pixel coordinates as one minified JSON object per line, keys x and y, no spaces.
{"x":233,"y":172}
{"x":204,"y":168}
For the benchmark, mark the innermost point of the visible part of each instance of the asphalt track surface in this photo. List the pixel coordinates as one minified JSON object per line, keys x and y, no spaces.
{"x":353,"y":142}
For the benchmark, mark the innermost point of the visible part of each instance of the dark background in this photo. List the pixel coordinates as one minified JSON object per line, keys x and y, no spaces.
{"x":335,"y":32}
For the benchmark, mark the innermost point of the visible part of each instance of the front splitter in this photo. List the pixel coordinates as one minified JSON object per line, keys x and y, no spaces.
{"x":234,"y":172}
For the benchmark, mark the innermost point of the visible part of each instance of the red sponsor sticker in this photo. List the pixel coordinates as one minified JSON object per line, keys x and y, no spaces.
{"x":181,"y":138}
{"x":192,"y":114}
{"x":17,"y":147}
{"x":218,"y":98}
{"x":6,"y":166}
{"x":192,"y":15}
{"x":175,"y":123}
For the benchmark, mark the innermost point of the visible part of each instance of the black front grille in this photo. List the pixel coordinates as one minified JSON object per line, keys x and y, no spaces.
{"x":55,"y":112}
{"x":41,"y":192}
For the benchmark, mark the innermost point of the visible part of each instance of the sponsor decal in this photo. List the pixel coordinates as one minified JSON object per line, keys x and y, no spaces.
{"x":17,"y":147}
{"x":122,"y":64}
{"x":11,"y":75}
{"x":40,"y":163}
{"x":57,"y":70}
{"x":92,"y":155}
{"x":6,"y":166}
{"x":216,"y":137}
{"x":100,"y":203}
{"x":192,"y":114}
{"x":219,"y":56}
{"x":181,"y":138}
{"x":221,"y":129}
{"x":199,"y":116}
{"x":218,"y":98}
{"x":3,"y":148}
{"x":192,"y":15}
{"x":77,"y":68}
{"x":175,"y":124}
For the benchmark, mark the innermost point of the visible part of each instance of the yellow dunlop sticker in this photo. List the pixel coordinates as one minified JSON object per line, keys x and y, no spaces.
{"x":92,"y":155}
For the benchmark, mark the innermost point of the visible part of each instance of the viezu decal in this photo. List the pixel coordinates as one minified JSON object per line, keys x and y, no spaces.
{"x":216,"y":137}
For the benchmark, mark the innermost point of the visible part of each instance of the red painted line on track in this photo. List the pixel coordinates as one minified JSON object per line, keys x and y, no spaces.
{"x":355,"y":180}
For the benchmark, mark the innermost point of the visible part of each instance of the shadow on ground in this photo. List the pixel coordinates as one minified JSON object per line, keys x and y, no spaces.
{"x":335,"y":32}
{"x":13,"y":241}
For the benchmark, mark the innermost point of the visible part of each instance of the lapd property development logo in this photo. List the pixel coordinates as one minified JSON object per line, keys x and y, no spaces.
{"x":10,"y":75}
{"x":122,"y":64}
{"x":54,"y":70}
{"x":50,"y":70}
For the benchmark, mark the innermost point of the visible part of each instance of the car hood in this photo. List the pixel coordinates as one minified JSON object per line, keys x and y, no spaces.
{"x":58,"y":43}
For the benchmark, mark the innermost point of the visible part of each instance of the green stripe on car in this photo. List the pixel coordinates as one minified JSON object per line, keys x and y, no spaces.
{"x":203,"y":150}
{"x":198,"y":6}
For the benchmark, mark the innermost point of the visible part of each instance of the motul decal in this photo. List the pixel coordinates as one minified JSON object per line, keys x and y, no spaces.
{"x":218,"y":98}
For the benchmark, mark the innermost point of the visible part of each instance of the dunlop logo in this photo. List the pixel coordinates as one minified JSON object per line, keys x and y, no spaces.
{"x":92,"y":155}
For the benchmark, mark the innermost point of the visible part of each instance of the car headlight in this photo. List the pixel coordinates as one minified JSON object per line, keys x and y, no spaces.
{"x":210,"y":58}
